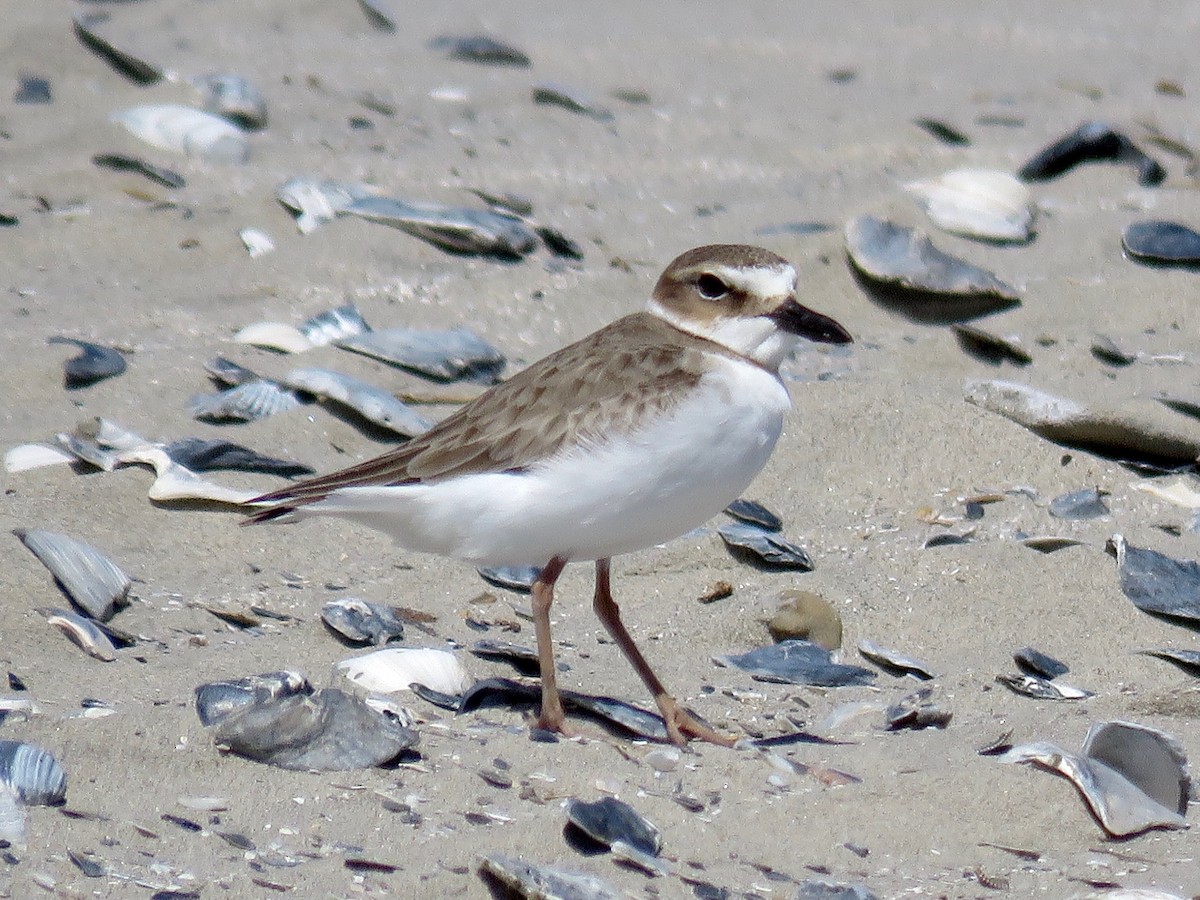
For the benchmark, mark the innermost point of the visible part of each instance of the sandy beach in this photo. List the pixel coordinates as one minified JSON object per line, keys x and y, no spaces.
{"x":760,"y":121}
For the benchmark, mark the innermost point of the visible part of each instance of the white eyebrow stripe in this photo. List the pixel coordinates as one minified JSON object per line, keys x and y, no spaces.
{"x":759,"y":281}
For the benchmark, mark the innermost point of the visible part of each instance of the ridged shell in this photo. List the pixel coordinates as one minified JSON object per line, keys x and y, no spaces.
{"x":92,"y":581}
{"x":33,"y":773}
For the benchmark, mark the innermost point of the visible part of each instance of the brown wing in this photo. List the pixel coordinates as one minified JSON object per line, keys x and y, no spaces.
{"x":609,"y":380}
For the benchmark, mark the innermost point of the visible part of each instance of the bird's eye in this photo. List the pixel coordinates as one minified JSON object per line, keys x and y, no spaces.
{"x":711,"y":287}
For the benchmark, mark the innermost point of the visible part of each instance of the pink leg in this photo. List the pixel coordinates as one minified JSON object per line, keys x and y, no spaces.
{"x":678,"y":721}
{"x":551,"y":717}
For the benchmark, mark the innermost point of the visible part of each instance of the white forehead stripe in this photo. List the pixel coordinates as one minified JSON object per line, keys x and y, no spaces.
{"x":759,"y":281}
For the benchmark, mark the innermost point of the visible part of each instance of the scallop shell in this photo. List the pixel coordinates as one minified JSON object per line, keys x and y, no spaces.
{"x":32,"y":773}
{"x":247,"y":402}
{"x":983,"y":204}
{"x":394,"y":669}
{"x":182,"y":129}
{"x":87,"y":576}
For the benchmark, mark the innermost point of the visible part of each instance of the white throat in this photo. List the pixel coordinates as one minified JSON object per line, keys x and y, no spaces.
{"x":754,"y":337}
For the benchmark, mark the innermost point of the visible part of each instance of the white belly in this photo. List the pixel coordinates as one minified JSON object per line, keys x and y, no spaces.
{"x":596,"y":501}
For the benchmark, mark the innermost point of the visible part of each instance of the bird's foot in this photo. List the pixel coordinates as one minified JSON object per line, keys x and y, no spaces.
{"x":682,"y":725}
{"x":556,"y":723}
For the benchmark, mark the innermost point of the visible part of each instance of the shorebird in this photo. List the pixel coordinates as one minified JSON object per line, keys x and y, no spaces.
{"x":625,"y":439}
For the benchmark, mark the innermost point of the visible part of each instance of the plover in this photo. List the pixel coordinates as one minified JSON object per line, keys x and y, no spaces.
{"x":625,"y":439}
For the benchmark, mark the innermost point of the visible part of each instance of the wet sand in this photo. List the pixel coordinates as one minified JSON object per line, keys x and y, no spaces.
{"x":745,"y":130}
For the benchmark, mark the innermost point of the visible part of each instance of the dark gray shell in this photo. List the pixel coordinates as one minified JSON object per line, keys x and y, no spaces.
{"x":796,"y":662}
{"x":609,"y":820}
{"x":362,"y":622}
{"x":1162,"y":243}
{"x":764,"y":547}
{"x":94,"y":363}
{"x":218,"y":700}
{"x":329,"y":731}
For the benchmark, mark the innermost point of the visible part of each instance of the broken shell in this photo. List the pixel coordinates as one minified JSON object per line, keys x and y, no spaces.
{"x":1162,"y":243}
{"x":1092,"y":141}
{"x":916,"y":711}
{"x":1132,"y":777}
{"x":89,"y":578}
{"x":26,"y":457}
{"x":207,"y":455}
{"x":123,"y":162}
{"x":555,"y":94}
{"x":480,"y":49}
{"x":944,"y":132}
{"x":513,"y":578}
{"x":94,"y":364}
{"x":233,"y":97}
{"x":807,"y":616}
{"x":1157,"y":583}
{"x":1042,"y":688}
{"x":912,"y":276}
{"x":755,"y":513}
{"x":362,"y":622}
{"x":1183,"y":491}
{"x":372,"y":403}
{"x":894,"y":663}
{"x":1034,"y":662}
{"x":329,"y":731}
{"x":334,"y":324}
{"x":990,"y":348}
{"x":217,"y":700}
{"x":317,"y":201}
{"x":752,"y":543}
{"x":444,"y":355}
{"x":94,"y":32}
{"x":522,"y":879}
{"x":394,"y":669}
{"x":609,"y":820}
{"x":256,"y":241}
{"x":1188,"y":660}
{"x":182,"y":129}
{"x":1107,"y":351}
{"x":379,"y":14}
{"x":174,"y":482}
{"x":452,"y":228}
{"x":82,"y":632}
{"x":796,"y":662}
{"x":1085,"y":503}
{"x":247,"y":402}
{"x":32,"y":773}
{"x":984,"y":204}
{"x":1135,"y":430}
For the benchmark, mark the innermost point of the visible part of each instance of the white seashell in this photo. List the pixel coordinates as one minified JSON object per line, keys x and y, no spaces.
{"x":174,"y":482}
{"x":83,"y":633}
{"x":12,"y":817}
{"x":185,"y":130}
{"x":394,"y":669}
{"x":256,"y":241}
{"x":35,"y":456}
{"x":274,"y":336}
{"x":984,"y":204}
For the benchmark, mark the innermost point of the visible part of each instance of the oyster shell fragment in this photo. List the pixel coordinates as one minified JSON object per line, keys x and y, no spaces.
{"x":1132,"y":777}
{"x":796,"y":662}
{"x":181,"y":129}
{"x":455,"y":229}
{"x":764,"y":547}
{"x":531,"y":882}
{"x":609,"y":820}
{"x":983,"y":204}
{"x":1156,"y":583}
{"x":907,"y":273}
{"x":362,"y":622}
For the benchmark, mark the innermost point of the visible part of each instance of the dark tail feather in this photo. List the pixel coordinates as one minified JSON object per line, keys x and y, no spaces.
{"x":266,"y":515}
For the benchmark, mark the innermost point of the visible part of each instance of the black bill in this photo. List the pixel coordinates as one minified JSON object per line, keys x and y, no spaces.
{"x":797,"y":319}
